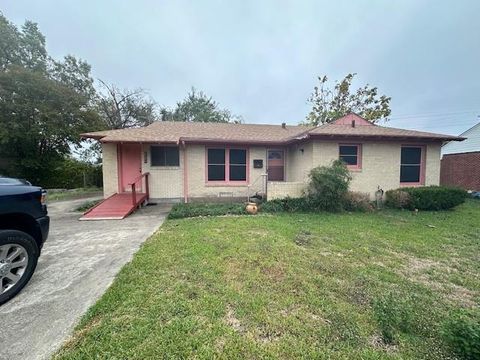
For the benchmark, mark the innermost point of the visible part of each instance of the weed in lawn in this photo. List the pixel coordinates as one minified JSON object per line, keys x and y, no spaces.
{"x":303,"y":238}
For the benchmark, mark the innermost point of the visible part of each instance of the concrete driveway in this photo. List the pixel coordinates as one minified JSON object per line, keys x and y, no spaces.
{"x":79,"y":261}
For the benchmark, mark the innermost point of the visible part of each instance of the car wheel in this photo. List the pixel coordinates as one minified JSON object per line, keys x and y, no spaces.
{"x":18,"y":260}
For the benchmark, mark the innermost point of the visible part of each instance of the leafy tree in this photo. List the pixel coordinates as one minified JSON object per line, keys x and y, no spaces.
{"x":120,"y":109}
{"x":330,"y":104}
{"x":198,"y":107}
{"x":44,"y":104}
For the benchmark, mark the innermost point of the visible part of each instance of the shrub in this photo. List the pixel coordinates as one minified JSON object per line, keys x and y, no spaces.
{"x":328,"y":186}
{"x":462,"y":333}
{"x":180,"y":211}
{"x":357,"y":201}
{"x":426,"y":198}
{"x":288,"y":204}
{"x":397,"y":199}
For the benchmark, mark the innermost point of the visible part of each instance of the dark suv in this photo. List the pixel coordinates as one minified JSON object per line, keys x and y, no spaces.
{"x":24,"y":225}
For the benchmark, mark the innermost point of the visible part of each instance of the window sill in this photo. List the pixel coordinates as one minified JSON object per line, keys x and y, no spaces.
{"x":354,"y":169}
{"x":164,"y":168}
{"x":411,"y":184}
{"x":226,"y":184}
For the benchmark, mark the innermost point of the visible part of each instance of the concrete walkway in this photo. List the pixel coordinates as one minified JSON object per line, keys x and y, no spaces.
{"x":79,"y":261}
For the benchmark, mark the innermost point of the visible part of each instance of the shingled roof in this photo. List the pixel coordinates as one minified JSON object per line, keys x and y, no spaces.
{"x":175,"y":132}
{"x":349,"y":126}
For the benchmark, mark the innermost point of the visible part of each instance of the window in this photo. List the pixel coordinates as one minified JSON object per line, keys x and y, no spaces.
{"x":238,"y":165}
{"x":164,"y":156}
{"x":351,"y":155}
{"x":226,"y":164}
{"x":216,"y":164}
{"x":411,"y":165}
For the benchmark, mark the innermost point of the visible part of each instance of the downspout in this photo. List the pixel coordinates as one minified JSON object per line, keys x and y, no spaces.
{"x":185,"y":173}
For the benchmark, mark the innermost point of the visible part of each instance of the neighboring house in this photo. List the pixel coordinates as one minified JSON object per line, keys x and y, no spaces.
{"x":460,"y":165}
{"x":198,"y":161}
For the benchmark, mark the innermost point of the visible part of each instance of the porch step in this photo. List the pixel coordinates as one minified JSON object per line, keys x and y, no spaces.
{"x":115,"y":207}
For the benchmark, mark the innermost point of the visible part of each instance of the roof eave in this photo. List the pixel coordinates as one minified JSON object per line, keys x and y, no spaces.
{"x":386,"y":137}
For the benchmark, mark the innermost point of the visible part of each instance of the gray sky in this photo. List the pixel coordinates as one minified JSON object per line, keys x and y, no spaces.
{"x":260,"y":59}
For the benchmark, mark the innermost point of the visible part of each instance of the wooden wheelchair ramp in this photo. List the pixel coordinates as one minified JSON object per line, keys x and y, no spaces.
{"x":116,"y":207}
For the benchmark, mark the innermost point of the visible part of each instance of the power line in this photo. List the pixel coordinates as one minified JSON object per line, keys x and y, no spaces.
{"x":432,"y":114}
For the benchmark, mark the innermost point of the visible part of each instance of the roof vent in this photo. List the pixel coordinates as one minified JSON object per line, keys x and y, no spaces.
{"x":284,"y":125}
{"x":353,"y":123}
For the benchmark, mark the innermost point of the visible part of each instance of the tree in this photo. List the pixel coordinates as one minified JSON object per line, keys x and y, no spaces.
{"x":44,"y":104}
{"x":330,"y":104}
{"x":120,"y":109}
{"x":198,"y":107}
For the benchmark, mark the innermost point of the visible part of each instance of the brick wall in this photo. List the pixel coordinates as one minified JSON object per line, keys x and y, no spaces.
{"x":280,"y":189}
{"x":461,"y":170}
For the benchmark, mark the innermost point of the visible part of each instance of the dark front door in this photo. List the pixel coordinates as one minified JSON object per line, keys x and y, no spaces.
{"x":276,"y":165}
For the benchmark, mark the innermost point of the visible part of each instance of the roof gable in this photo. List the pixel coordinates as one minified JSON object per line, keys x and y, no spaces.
{"x":352,"y":120}
{"x":471,"y":143}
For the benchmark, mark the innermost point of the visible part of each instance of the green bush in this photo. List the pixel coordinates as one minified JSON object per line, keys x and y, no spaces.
{"x":328,"y":186}
{"x":288,"y":204}
{"x":180,"y":211}
{"x":426,"y":198}
{"x":462,"y":333}
{"x":357,"y":201}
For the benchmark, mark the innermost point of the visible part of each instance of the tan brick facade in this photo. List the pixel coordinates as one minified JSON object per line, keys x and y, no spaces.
{"x":165,"y":182}
{"x":110,"y":170}
{"x":198,"y":186}
{"x":380,"y":167}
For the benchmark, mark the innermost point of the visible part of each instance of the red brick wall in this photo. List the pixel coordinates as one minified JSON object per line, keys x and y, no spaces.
{"x":461,"y":170}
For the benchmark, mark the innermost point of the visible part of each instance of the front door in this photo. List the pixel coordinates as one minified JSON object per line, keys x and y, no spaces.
{"x":130,"y":165}
{"x":276,"y":165}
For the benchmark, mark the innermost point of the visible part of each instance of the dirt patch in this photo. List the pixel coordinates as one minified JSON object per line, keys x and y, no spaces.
{"x":231,"y":320}
{"x":274,"y":272}
{"x":267,"y":336}
{"x":377,"y":342}
{"x":420,"y":270}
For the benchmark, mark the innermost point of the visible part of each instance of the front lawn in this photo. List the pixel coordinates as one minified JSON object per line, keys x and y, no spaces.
{"x":385,"y":285}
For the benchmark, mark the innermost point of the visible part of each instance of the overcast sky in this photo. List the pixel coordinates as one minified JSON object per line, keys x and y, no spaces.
{"x":260,"y":59}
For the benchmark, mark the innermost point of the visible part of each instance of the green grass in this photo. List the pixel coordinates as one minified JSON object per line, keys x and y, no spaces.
{"x":59,"y":195}
{"x":343,"y":286}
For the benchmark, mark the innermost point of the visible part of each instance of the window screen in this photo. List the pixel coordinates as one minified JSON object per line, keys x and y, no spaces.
{"x":216,"y":164}
{"x":410,"y":164}
{"x":238,"y":164}
{"x":349,"y":154}
{"x":164,"y":156}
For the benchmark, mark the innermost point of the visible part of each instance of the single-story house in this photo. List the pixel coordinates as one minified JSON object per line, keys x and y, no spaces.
{"x":460,"y":165}
{"x":196,"y":161}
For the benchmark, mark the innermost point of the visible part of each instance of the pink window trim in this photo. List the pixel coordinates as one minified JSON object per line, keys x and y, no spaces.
{"x":357,"y":167}
{"x":227,"y":167}
{"x":422,"y":165}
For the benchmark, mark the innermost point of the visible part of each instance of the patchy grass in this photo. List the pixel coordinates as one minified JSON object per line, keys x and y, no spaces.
{"x":386,"y":285}
{"x":69,"y":194}
{"x":87,"y":205}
